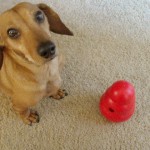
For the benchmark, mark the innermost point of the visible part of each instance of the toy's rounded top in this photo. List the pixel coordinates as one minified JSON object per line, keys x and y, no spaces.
{"x":121,"y":92}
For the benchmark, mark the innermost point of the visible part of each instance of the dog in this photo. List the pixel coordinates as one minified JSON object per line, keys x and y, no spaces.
{"x":30,"y":63}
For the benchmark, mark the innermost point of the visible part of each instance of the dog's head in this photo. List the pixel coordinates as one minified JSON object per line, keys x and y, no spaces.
{"x":25,"y":29}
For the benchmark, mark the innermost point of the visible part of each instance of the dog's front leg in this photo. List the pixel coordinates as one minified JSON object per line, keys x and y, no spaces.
{"x":59,"y":94}
{"x":27,"y":115}
{"x":22,"y":108}
{"x":55,"y":91}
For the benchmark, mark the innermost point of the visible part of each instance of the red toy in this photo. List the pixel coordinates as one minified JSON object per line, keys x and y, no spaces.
{"x":117,"y":104}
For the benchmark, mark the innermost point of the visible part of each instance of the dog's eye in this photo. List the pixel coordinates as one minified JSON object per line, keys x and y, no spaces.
{"x":39,"y":17}
{"x":13,"y":33}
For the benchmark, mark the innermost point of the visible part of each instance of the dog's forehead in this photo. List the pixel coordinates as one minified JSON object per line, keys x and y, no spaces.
{"x":10,"y":19}
{"x":25,"y":7}
{"x":20,"y":9}
{"x":17,"y":14}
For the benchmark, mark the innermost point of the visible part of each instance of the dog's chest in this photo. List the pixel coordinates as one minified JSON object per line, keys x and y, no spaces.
{"x":50,"y":71}
{"x":49,"y":76}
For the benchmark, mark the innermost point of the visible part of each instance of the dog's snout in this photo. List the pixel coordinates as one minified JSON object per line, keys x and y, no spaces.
{"x":47,"y":49}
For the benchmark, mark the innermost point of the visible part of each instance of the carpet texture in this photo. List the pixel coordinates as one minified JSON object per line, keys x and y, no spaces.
{"x":111,"y":42}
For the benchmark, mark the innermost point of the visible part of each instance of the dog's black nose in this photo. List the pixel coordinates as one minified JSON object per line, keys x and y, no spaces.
{"x":47,"y":49}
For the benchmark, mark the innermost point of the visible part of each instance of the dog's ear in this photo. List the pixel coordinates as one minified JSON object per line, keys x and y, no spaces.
{"x":1,"y":52}
{"x":56,"y":25}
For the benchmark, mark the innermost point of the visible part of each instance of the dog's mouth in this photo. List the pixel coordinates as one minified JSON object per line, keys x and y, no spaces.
{"x":30,"y":60}
{"x":52,"y":57}
{"x":23,"y":56}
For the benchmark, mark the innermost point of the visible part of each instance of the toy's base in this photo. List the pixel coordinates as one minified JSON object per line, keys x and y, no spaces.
{"x":114,"y":118}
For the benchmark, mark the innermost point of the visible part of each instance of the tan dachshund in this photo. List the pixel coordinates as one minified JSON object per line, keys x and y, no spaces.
{"x":29,"y":61}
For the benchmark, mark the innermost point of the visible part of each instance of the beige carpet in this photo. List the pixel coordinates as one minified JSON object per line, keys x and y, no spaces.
{"x":111,"y":42}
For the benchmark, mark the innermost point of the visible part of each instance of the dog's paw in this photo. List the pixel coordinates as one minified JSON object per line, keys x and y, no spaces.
{"x":60,"y":94}
{"x":33,"y":117}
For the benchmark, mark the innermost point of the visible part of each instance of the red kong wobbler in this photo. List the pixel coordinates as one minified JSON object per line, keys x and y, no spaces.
{"x":117,"y":104}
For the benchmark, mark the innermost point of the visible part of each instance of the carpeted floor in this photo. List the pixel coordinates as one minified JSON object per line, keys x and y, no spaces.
{"x":111,"y":42}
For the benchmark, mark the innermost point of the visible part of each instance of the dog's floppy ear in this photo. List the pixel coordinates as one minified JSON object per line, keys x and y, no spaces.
{"x":56,"y":25}
{"x":1,"y":52}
